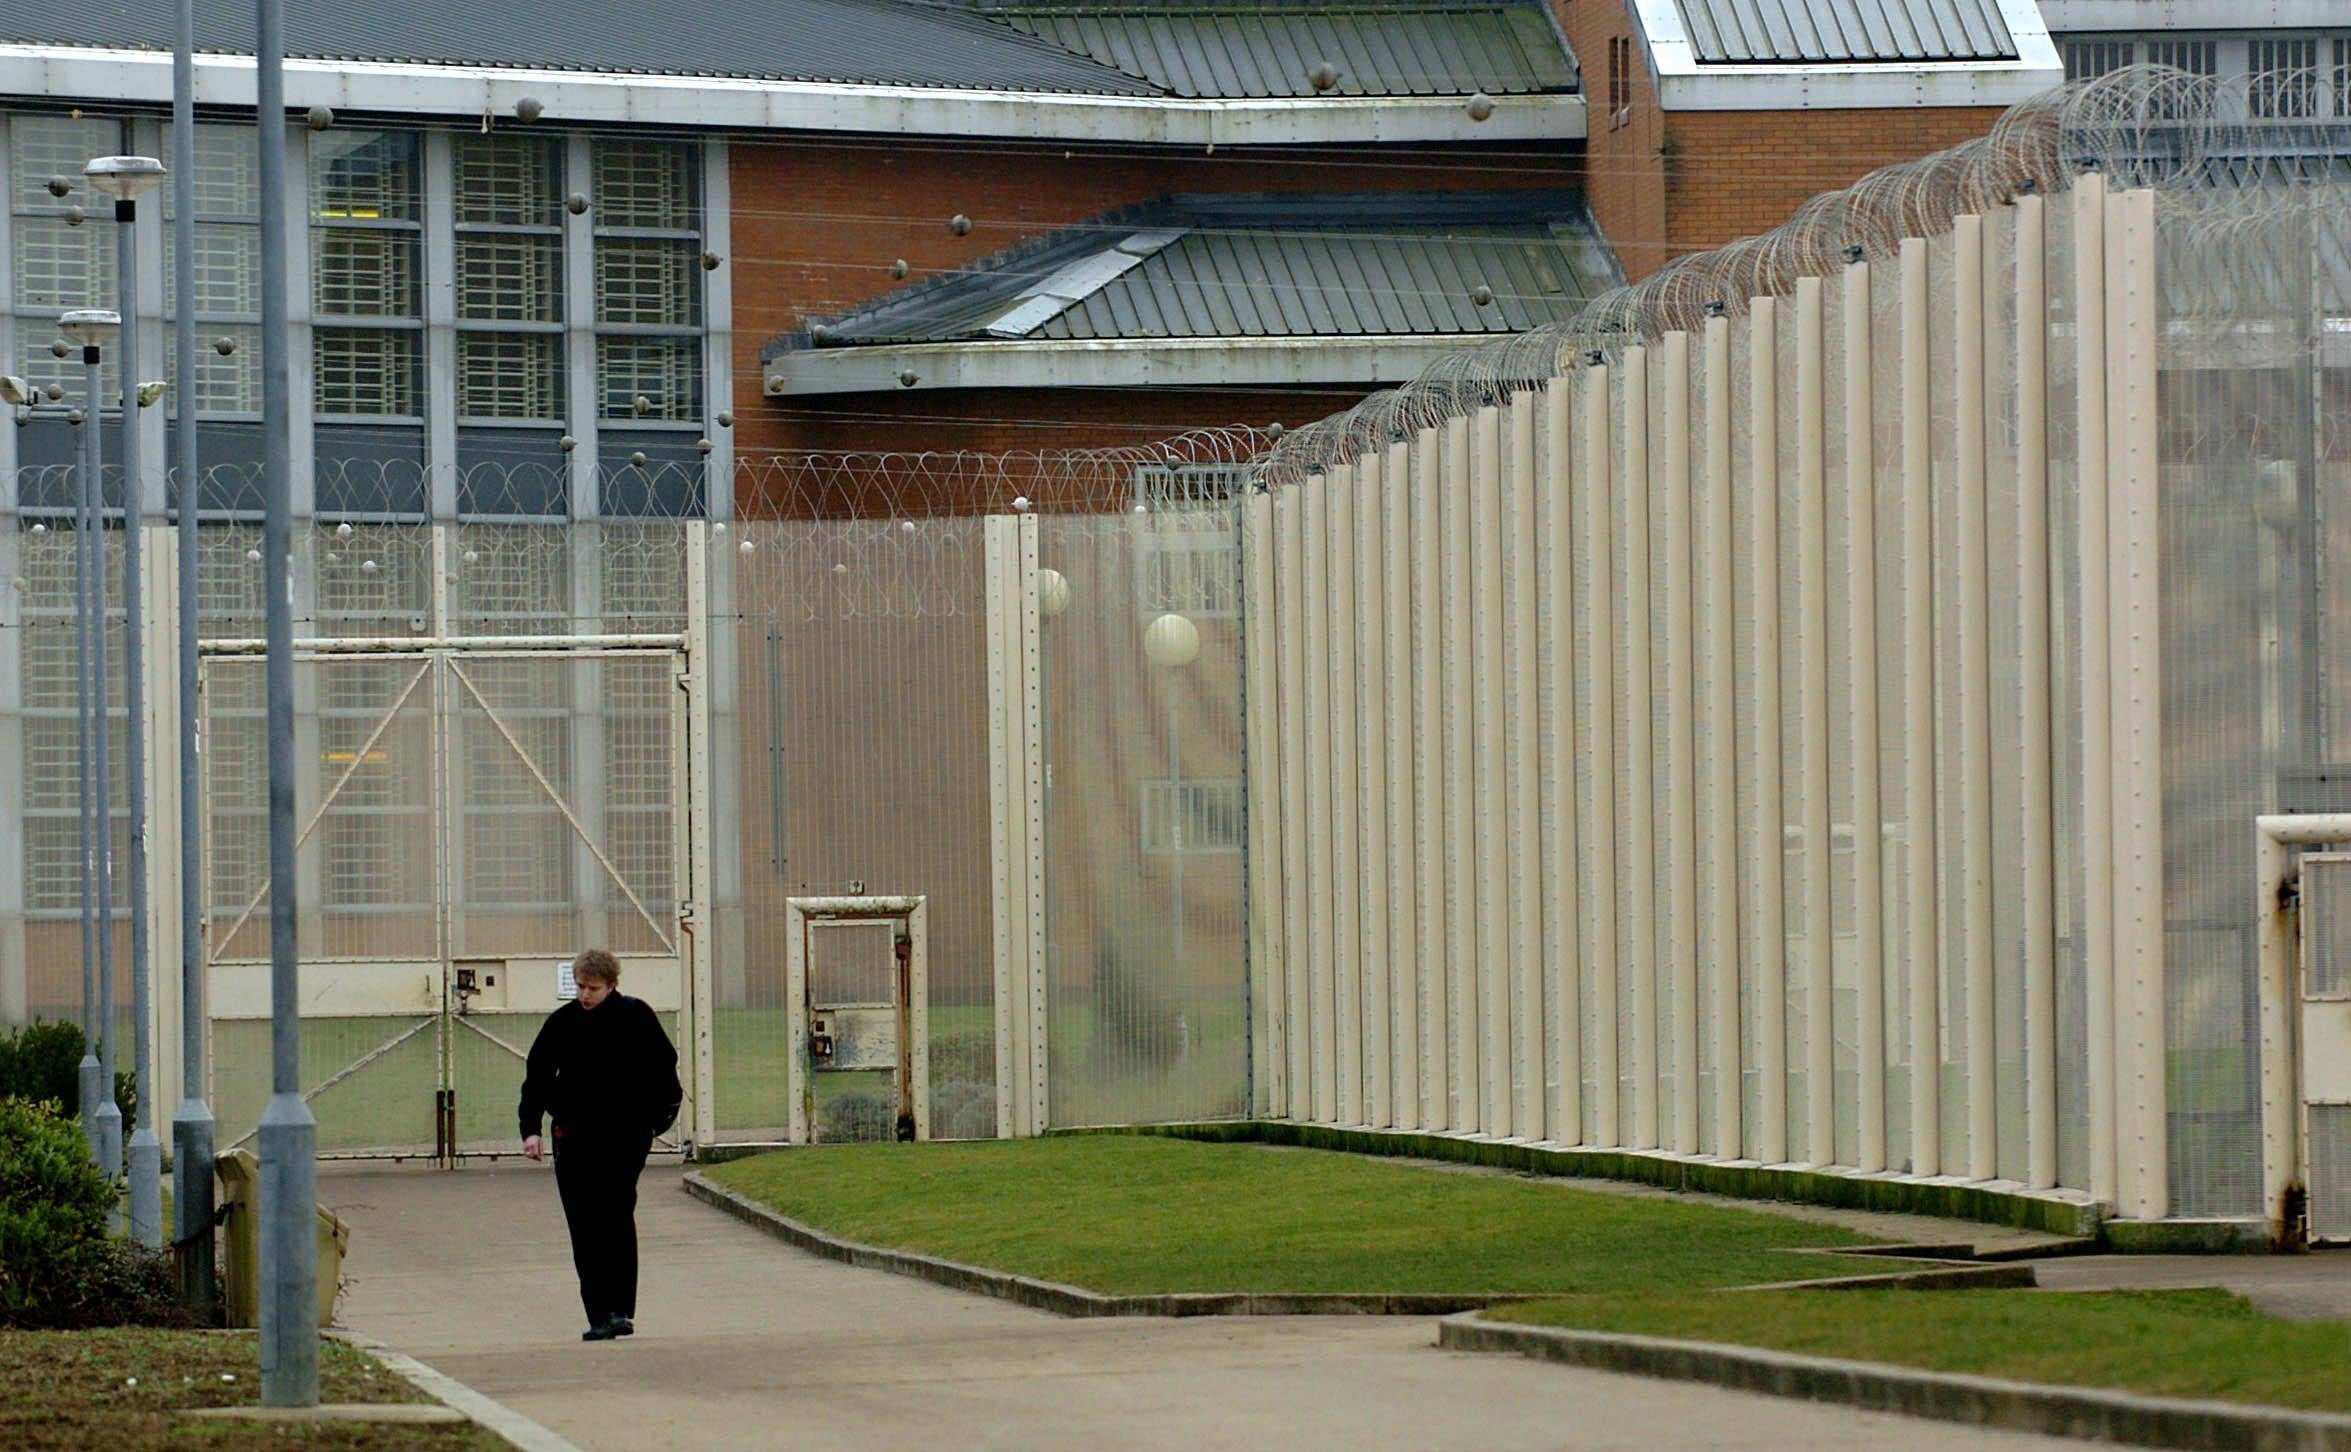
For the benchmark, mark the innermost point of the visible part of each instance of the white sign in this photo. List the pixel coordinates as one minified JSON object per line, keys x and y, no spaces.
{"x":566,"y":986}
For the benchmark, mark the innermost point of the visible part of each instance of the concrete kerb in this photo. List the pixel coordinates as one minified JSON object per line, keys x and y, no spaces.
{"x":2055,"y":1212}
{"x":1944,"y":1396}
{"x":517,"y":1429}
{"x":1066,"y":1300}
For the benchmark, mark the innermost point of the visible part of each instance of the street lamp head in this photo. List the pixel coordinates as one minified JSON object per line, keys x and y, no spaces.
{"x":1171,"y":642}
{"x":91,"y":327}
{"x":125,"y":178}
{"x":17,"y":391}
{"x":151,"y":391}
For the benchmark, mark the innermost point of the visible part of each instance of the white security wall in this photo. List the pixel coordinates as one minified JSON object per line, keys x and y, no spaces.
{"x":1741,"y":743}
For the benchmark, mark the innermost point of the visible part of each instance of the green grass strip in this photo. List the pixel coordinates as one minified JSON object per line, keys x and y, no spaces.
{"x":1138,"y":1216}
{"x":2194,"y":1343}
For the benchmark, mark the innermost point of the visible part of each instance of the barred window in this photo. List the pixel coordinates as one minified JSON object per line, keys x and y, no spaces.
{"x":510,"y":362}
{"x":225,"y":291}
{"x":367,"y":276}
{"x":649,"y":280}
{"x":647,"y":184}
{"x":2343,"y":77}
{"x":1192,"y":816}
{"x":1186,"y":559}
{"x":2196,"y":57}
{"x":2086,"y":60}
{"x":2284,"y":79}
{"x":57,"y":265}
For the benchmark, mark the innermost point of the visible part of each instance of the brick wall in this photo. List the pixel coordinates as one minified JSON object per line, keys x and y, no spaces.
{"x":1667,"y":183}
{"x":817,"y":223}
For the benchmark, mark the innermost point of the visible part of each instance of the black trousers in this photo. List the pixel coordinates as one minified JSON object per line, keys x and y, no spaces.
{"x":596,"y":1174}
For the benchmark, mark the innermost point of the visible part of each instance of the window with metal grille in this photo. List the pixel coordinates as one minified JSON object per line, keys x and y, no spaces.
{"x":225,"y":291}
{"x":2196,"y":57}
{"x":367,"y":371}
{"x":1186,"y":558}
{"x":367,"y":248}
{"x":509,"y":254}
{"x":666,"y":372}
{"x":646,"y":184}
{"x":2283,"y":77}
{"x":1192,"y":816}
{"x":649,"y":280}
{"x":56,"y":265}
{"x":2086,"y":60}
{"x":2343,"y":77}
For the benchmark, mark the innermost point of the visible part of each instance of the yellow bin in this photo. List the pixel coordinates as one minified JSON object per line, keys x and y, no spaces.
{"x":240,"y":1173}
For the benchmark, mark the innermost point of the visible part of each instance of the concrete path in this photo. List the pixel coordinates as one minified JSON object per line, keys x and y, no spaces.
{"x":2312,"y":1287}
{"x":746,"y":1343}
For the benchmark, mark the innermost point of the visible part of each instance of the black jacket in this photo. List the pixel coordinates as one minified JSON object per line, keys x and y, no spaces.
{"x":606,"y":1070}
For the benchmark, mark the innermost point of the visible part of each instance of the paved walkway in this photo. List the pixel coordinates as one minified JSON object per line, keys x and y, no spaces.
{"x":746,"y":1343}
{"x":2313,"y":1287}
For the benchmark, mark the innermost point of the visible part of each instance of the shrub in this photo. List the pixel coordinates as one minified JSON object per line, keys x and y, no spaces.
{"x":965,"y":1054}
{"x":58,"y":1266}
{"x":963,"y":1109}
{"x":42,"y":1061}
{"x":1138,"y":1023}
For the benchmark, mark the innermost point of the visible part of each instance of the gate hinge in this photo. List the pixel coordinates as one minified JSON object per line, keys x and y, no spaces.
{"x":689,"y":912}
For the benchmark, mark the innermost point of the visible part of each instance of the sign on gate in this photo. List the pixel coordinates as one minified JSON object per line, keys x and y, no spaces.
{"x":470,"y":814}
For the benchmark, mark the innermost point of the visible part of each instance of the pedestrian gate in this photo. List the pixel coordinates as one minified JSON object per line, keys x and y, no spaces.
{"x":470,"y":814}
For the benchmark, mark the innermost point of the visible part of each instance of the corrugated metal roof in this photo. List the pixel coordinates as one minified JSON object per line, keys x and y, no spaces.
{"x":1315,"y":265}
{"x":1793,"y":32}
{"x":857,"y":42}
{"x":1261,"y":49}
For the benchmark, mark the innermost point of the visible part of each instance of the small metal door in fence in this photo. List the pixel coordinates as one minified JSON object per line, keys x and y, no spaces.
{"x":858,"y":985}
{"x":2324,"y":1060}
{"x":468,"y":817}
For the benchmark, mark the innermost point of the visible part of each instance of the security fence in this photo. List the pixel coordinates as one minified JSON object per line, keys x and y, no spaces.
{"x":1811,"y":709}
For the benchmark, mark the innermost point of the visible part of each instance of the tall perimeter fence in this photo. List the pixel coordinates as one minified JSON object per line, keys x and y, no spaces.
{"x":1811,"y":709}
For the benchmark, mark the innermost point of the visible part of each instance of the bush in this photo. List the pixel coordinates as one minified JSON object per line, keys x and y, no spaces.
{"x":965,"y":1054}
{"x":42,"y":1062}
{"x":58,"y":1266}
{"x":963,"y":1109}
{"x":1138,"y":1023}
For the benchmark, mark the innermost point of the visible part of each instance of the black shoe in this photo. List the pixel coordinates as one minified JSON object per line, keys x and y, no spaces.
{"x":620,"y":1326}
{"x":601,"y":1331}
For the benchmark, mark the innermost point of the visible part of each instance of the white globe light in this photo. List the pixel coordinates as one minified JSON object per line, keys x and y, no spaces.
{"x":1171,"y":642}
{"x":1052,"y":592}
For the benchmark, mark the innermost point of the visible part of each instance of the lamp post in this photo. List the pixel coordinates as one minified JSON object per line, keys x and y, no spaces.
{"x":1171,"y":643}
{"x":126,"y":179}
{"x":191,"y":1124}
{"x":93,"y":329}
{"x":289,"y":1133}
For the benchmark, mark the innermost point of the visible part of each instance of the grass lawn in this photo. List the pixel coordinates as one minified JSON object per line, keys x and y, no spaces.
{"x":1135,"y":1215}
{"x":2200,"y":1343}
{"x":75,"y":1389}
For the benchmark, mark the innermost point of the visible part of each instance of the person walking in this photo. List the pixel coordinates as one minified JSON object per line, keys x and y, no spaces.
{"x":606,"y":1072}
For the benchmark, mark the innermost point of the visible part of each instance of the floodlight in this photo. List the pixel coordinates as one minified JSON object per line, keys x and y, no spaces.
{"x":15,"y":390}
{"x":125,"y":178}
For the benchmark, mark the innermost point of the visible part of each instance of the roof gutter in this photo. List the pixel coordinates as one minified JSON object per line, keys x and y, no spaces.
{"x":1369,"y":359}
{"x":721,"y":104}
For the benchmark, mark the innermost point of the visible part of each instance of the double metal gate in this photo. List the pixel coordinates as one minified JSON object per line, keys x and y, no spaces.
{"x":471,"y":813}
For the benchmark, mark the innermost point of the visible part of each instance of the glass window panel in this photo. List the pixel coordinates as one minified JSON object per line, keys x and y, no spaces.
{"x":2284,"y":77}
{"x":224,"y":384}
{"x":510,"y":375}
{"x":365,"y":271}
{"x":646,"y":184}
{"x":2087,"y":60}
{"x":509,"y":277}
{"x":228,"y":269}
{"x":2196,"y":57}
{"x":364,"y":176}
{"x":649,"y":280}
{"x":368,"y":371}
{"x":666,"y":371}
{"x":513,"y":180}
{"x":59,"y":265}
{"x":41,"y":147}
{"x":228,"y":171}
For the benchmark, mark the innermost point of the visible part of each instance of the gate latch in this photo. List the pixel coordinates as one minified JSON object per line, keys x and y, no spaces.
{"x":820,"y":1044}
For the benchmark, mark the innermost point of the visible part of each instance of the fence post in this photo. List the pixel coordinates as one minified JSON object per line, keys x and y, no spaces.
{"x":1297,"y":892}
{"x":1637,"y":802}
{"x":1491,"y":968}
{"x":1524,"y":785}
{"x":1861,"y":610}
{"x":1371,"y":770}
{"x":1321,"y":963}
{"x":1722,"y":785}
{"x":1261,"y":725}
{"x":1563,"y":1113}
{"x":1597,"y":484}
{"x":1769,"y":866}
{"x":2037,"y":779}
{"x":1920,"y":890}
{"x":2096,"y":671}
{"x":1458,"y":737}
{"x":1812,"y":711}
{"x":1404,"y":966}
{"x":1428,"y":773}
{"x":1680,"y":877}
{"x":1346,"y":799}
{"x":1975,"y":699}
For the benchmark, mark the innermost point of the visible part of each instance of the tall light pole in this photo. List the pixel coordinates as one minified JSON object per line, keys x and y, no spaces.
{"x":1171,"y":643}
{"x":191,"y":1126}
{"x":93,"y":329}
{"x":126,"y":179}
{"x":289,"y":1134}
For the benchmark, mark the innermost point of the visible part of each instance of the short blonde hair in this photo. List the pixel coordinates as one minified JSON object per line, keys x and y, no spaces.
{"x":598,"y":965}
